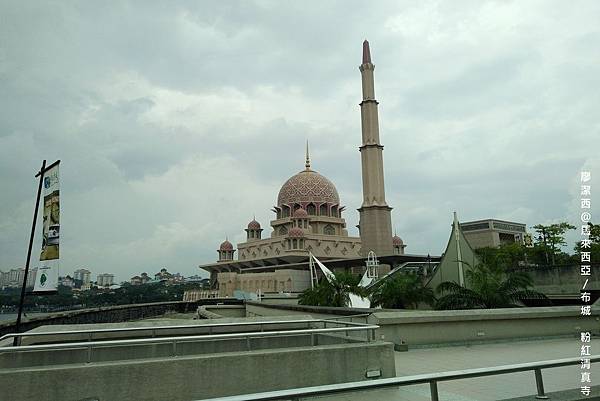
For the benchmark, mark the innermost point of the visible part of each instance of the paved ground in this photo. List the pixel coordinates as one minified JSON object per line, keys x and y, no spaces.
{"x":476,"y":356}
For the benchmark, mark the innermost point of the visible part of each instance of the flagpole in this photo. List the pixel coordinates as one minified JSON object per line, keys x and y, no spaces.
{"x":35,"y":214}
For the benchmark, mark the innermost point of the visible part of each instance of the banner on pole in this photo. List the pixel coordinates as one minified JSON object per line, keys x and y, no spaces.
{"x":47,"y":274}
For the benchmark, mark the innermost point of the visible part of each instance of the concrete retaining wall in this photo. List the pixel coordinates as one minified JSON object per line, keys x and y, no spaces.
{"x":468,"y":326}
{"x":196,"y":327}
{"x":318,"y":312}
{"x":449,"y":327}
{"x":562,"y":279}
{"x":120,"y":313}
{"x":199,"y":377}
{"x":219,"y":311}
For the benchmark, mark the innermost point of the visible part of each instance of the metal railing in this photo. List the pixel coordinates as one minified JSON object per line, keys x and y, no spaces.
{"x":430,"y":378}
{"x":154,"y":329}
{"x":248,"y":336}
{"x":351,"y":317}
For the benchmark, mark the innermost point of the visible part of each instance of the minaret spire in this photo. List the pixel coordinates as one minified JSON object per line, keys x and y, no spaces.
{"x":366,"y":53}
{"x":307,"y":164}
{"x":375,"y":214}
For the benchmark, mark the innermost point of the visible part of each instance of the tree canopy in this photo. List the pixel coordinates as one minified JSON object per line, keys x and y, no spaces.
{"x":551,"y":237}
{"x":336,"y":293}
{"x":487,"y":288}
{"x":402,"y":292}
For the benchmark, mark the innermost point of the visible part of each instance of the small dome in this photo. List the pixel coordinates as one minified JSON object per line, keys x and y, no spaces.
{"x":226,"y":246}
{"x":254,"y":225}
{"x":397,"y":241}
{"x":295,"y":232}
{"x":300,"y":213}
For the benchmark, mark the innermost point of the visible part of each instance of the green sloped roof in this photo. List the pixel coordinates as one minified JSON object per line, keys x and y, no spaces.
{"x":458,"y":250}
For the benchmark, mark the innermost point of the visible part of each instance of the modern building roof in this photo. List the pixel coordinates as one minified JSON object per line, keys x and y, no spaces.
{"x":299,"y":261}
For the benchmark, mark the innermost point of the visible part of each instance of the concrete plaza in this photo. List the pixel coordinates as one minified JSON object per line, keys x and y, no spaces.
{"x":430,"y":360}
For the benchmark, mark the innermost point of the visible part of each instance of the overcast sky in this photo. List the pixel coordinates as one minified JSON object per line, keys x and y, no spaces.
{"x":176,"y":122}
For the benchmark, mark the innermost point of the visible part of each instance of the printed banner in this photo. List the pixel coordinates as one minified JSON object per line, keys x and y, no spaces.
{"x":47,"y":274}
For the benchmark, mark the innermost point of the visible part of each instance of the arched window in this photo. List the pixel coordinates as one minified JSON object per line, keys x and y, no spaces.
{"x":334,"y":211}
{"x":329,"y":230}
{"x":311,"y":209}
{"x":283,"y":230}
{"x":323,"y":210}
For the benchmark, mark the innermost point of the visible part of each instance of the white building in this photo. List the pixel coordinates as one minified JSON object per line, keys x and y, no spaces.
{"x":31,"y":276}
{"x":83,"y":275}
{"x":105,"y":280}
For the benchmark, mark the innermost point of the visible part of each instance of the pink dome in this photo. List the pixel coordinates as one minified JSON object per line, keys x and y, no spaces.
{"x":397,"y":241}
{"x":300,"y":213}
{"x":295,"y":232}
{"x":254,"y":225}
{"x":226,"y":246}
{"x":305,"y":187}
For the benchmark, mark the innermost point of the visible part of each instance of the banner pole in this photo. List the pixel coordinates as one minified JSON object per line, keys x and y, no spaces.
{"x":35,"y":213}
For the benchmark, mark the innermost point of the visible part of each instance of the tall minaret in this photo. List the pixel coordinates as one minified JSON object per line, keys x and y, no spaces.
{"x":375,"y":215}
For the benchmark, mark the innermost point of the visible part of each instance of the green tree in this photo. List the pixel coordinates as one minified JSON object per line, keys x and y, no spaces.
{"x":488,"y":288}
{"x":506,"y":256}
{"x":403,"y":291}
{"x":334,"y":293}
{"x":551,"y":238}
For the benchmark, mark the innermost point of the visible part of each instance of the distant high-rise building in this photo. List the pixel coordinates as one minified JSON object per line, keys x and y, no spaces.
{"x":31,"y":276}
{"x":14,"y":277}
{"x":105,"y":280}
{"x":4,"y":279}
{"x":83,"y":275}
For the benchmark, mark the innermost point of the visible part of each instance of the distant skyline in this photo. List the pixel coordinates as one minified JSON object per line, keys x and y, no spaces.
{"x":177,"y":122}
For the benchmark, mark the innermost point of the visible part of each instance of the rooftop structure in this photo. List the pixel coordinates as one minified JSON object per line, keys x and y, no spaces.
{"x":493,"y":233}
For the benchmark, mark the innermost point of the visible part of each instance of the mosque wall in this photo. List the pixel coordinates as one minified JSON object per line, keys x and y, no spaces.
{"x":282,"y":280}
{"x":326,"y":246}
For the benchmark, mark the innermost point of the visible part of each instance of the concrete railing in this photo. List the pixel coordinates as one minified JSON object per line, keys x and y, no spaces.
{"x":153,"y":331}
{"x":196,"y":366}
{"x":172,"y":346}
{"x":430,"y":378}
{"x":426,"y":328}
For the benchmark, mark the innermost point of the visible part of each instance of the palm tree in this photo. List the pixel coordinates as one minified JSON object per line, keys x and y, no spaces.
{"x":402,"y":292}
{"x":488,"y":288}
{"x":334,"y":293}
